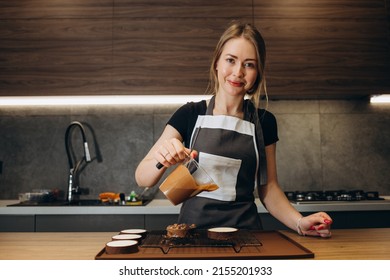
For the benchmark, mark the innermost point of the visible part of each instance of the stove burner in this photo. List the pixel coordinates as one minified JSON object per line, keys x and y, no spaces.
{"x":338,"y":195}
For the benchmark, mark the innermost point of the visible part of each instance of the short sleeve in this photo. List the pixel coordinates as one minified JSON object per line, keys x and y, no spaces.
{"x":269,"y":126}
{"x":184,"y":119}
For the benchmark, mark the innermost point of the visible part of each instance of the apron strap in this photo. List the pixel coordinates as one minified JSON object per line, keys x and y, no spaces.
{"x":210,"y":107}
{"x":251,"y":114}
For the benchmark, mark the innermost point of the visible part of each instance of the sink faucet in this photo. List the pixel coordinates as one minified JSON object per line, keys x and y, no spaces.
{"x":74,"y":166}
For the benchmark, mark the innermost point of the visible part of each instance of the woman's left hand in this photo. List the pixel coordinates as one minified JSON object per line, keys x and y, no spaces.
{"x":317,"y":224}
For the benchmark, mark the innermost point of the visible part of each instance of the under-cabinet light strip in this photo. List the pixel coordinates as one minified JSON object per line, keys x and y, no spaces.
{"x":98,"y":100}
{"x":382,"y":98}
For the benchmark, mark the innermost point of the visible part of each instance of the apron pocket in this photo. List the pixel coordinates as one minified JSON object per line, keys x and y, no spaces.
{"x":224,"y":172}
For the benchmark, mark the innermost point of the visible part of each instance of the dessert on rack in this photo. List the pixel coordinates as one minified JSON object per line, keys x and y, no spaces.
{"x":179,"y":230}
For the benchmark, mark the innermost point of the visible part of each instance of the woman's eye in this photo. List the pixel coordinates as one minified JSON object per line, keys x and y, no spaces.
{"x":230,"y":60}
{"x":249,"y":65}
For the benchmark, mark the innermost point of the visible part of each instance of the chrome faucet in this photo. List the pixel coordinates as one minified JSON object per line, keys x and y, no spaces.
{"x":74,"y":166}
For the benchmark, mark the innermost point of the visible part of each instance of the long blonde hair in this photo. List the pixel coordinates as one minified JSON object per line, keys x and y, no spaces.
{"x":252,"y":34}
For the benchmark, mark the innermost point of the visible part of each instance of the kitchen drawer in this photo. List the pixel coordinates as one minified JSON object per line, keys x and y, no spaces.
{"x":158,"y":222}
{"x":87,"y":223}
{"x":17,"y":223}
{"x":360,"y":219}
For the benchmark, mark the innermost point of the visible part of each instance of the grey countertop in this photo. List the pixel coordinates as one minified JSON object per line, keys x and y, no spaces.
{"x":163,"y":207}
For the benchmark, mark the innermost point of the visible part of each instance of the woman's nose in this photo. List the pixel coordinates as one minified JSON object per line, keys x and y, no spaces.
{"x":238,"y":70}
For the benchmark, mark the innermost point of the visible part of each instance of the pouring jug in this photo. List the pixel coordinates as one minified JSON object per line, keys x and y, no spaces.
{"x":187,"y":180}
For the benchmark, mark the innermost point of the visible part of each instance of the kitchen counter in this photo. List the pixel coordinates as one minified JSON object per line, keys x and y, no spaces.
{"x":351,"y":244}
{"x":163,"y":206}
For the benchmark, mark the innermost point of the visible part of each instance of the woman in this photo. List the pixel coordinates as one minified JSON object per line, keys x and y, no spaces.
{"x":235,"y":142}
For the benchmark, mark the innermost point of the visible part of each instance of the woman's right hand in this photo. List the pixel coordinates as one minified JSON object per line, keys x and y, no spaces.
{"x":171,"y":152}
{"x":168,"y":150}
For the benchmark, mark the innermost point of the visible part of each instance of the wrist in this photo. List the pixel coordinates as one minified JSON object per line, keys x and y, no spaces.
{"x":298,"y":226}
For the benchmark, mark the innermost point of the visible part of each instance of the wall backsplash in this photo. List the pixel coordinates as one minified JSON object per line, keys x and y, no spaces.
{"x":323,"y":145}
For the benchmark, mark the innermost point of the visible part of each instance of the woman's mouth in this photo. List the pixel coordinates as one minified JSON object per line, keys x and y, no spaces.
{"x":236,"y":84}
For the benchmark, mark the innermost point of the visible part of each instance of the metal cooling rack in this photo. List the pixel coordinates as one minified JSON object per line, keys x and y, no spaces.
{"x":198,"y":238}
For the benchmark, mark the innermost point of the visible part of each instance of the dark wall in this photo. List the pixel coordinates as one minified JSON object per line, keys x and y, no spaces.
{"x":317,"y":49}
{"x":324,"y":145}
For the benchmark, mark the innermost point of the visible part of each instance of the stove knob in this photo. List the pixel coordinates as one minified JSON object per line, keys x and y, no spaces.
{"x":309,"y":197}
{"x":358,"y":197}
{"x":346,"y":196}
{"x":372,"y":195}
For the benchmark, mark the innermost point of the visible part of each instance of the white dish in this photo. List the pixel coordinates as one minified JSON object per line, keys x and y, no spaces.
{"x":221,"y":233}
{"x":223,"y":229}
{"x":127,"y":237}
{"x":134,"y":231}
{"x":122,"y":247}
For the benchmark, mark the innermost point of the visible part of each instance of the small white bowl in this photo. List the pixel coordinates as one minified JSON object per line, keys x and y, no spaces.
{"x":221,"y":233}
{"x":127,"y":237}
{"x":122,"y":247}
{"x":141,"y":232}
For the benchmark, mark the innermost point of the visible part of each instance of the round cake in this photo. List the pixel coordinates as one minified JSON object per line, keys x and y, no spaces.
{"x":221,"y":233}
{"x":122,"y":247}
{"x":179,"y":230}
{"x":141,"y":232}
{"x":135,"y":237}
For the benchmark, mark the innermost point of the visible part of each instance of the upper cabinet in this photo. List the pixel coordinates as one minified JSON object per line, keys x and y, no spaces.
{"x":326,"y":48}
{"x":315,"y":49}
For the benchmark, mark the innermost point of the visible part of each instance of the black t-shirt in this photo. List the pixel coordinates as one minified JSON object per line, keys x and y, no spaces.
{"x":184,"y":119}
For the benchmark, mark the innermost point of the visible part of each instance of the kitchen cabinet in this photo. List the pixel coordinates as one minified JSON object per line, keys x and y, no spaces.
{"x":101,"y":223}
{"x":361,"y":219}
{"x":157,"y":222}
{"x":20,"y":223}
{"x":93,"y":41}
{"x":160,"y":213}
{"x":87,"y":223}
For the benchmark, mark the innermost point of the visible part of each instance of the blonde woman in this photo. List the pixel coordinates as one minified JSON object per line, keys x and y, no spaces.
{"x":235,"y":142}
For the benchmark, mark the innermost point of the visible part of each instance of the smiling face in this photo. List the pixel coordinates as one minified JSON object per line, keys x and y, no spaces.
{"x":237,"y":67}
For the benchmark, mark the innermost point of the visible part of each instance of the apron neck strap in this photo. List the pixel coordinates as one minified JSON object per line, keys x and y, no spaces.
{"x":211,"y":105}
{"x":253,"y":115}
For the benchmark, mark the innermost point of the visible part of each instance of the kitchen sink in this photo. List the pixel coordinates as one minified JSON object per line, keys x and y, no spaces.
{"x":82,"y":202}
{"x":88,"y":202}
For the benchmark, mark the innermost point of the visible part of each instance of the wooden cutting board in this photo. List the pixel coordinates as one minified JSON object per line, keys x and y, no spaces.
{"x":271,"y":245}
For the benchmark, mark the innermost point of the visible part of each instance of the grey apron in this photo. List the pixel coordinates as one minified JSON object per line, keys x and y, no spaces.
{"x":232,"y":151}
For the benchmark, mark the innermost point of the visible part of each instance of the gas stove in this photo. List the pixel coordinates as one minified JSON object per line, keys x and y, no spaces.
{"x":337,"y":196}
